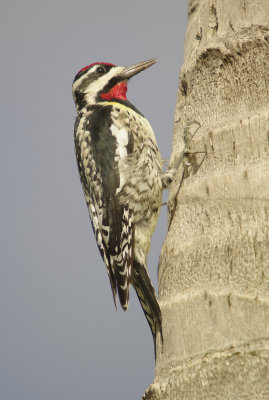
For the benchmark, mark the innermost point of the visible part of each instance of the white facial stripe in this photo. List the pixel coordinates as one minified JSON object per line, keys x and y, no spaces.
{"x":101,"y":82}
{"x":94,"y":68}
{"x":79,"y":80}
{"x":95,"y":86}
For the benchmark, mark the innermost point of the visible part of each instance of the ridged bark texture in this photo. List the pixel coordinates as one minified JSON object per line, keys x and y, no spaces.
{"x":214,"y":265}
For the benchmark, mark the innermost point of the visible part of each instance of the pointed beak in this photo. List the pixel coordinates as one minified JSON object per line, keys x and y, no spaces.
{"x":128,"y":72}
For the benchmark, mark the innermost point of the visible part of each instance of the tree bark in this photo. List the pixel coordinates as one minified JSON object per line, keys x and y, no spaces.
{"x":214,"y":264}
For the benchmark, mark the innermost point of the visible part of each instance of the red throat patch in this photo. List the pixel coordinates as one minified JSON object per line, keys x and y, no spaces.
{"x":117,"y":92}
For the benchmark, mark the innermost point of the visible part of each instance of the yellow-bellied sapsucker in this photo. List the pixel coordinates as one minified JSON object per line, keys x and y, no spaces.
{"x":120,"y":168}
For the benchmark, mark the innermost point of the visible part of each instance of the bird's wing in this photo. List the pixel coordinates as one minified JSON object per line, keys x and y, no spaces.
{"x":102,"y":151}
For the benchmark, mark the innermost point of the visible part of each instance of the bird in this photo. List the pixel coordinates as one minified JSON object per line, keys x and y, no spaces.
{"x":120,"y":168}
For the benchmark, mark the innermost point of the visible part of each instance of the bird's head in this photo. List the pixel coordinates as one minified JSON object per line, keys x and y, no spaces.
{"x":101,"y":82}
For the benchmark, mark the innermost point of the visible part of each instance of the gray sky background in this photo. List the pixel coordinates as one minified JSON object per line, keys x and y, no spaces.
{"x":60,"y":336}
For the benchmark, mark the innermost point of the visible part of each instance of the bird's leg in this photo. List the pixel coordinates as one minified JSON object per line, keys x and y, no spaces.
{"x":168,"y":175}
{"x":187,"y":158}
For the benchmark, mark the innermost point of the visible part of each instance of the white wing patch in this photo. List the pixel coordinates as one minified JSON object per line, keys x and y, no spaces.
{"x":121,"y":152}
{"x":122,"y":139}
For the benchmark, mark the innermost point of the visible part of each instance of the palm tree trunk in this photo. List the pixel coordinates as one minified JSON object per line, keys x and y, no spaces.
{"x":214,"y":265}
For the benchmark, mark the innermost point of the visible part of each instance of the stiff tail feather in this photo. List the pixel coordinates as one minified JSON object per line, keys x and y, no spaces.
{"x":122,"y":279}
{"x":148,"y":299}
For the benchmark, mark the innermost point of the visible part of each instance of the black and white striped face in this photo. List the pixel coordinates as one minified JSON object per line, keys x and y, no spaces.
{"x":93,"y":80}
{"x":104,"y":82}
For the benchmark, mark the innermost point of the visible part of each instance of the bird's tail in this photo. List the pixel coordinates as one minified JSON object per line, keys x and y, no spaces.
{"x":148,"y":299}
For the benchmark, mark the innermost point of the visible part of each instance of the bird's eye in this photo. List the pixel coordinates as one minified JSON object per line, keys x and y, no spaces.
{"x":101,"y":70}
